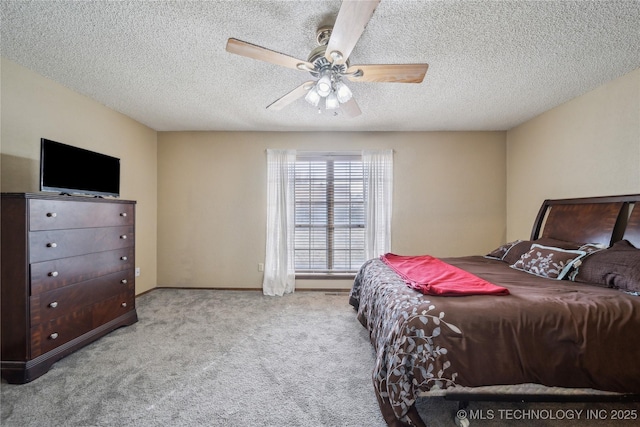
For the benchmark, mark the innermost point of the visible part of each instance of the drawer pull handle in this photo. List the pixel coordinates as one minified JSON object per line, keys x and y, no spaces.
{"x":53,"y":336}
{"x":123,"y":258}
{"x":123,"y":237}
{"x":123,"y":214}
{"x":53,"y":274}
{"x":124,"y":304}
{"x":123,"y":281}
{"x":52,"y":245}
{"x":53,"y":304}
{"x":52,"y":214}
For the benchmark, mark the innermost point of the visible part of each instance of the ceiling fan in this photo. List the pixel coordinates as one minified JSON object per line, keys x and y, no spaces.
{"x":329,"y":64}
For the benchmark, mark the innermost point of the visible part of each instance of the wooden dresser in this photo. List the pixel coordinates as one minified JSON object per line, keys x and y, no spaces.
{"x":67,"y":277}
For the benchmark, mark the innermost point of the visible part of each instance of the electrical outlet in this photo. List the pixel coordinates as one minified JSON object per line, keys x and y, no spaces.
{"x":260,"y":266}
{"x":137,"y":271}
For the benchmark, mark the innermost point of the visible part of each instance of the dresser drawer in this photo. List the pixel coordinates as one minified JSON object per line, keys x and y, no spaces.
{"x":58,"y":214}
{"x":47,"y":336}
{"x":111,"y":308}
{"x":50,"y":275}
{"x":64,"y":301}
{"x":48,"y":245}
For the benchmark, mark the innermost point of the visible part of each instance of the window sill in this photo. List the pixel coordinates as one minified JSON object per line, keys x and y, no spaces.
{"x":325,"y":276}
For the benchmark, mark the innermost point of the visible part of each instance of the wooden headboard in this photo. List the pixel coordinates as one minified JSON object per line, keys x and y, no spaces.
{"x":590,"y":220}
{"x":632,"y":231}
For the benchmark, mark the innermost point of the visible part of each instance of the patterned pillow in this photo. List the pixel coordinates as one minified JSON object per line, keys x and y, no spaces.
{"x":548,"y":261}
{"x":616,"y":267}
{"x":500,"y":252}
{"x":516,"y":251}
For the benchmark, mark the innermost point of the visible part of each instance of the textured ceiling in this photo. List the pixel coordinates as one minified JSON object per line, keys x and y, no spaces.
{"x":492,"y":64}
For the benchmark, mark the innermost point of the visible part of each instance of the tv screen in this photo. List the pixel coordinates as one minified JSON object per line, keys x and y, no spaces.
{"x":69,"y":169}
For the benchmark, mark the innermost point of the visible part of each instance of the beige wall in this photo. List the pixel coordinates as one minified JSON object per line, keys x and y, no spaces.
{"x":33,"y":107}
{"x":589,"y":146}
{"x":449,"y":198}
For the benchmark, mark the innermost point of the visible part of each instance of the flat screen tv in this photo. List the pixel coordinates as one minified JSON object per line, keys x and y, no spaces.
{"x":74,"y":170}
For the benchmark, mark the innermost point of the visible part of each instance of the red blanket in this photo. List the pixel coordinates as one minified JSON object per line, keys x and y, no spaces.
{"x":431,"y":276}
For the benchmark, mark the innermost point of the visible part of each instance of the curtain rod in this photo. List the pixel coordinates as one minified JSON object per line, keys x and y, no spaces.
{"x":329,"y":152}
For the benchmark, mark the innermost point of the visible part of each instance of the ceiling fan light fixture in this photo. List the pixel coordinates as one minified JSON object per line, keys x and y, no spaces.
{"x":324,"y":86}
{"x":343,"y":93}
{"x":331,"y":102}
{"x":313,"y":97}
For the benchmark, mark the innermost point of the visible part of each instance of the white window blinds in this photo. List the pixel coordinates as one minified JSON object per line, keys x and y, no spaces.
{"x":329,"y":213}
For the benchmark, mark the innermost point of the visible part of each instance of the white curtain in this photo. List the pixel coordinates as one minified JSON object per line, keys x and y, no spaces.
{"x":378,"y":185}
{"x":279,"y":271}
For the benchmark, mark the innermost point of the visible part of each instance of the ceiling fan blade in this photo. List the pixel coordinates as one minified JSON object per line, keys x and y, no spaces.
{"x":395,"y":73}
{"x":292,"y":96}
{"x":263,"y":54}
{"x":350,"y":23}
{"x":351,"y":108}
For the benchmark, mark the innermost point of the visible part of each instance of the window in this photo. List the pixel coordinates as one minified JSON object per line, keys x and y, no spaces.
{"x":329,"y":213}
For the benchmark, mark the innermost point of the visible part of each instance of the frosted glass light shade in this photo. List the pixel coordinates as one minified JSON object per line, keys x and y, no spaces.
{"x":312,"y":97}
{"x":324,"y":85}
{"x":343,"y":92}
{"x":331,"y":102}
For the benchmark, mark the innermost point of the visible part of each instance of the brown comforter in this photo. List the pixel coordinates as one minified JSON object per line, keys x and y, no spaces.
{"x":550,"y":332}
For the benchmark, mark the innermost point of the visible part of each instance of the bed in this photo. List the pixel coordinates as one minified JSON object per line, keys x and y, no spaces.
{"x":563,"y":330}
